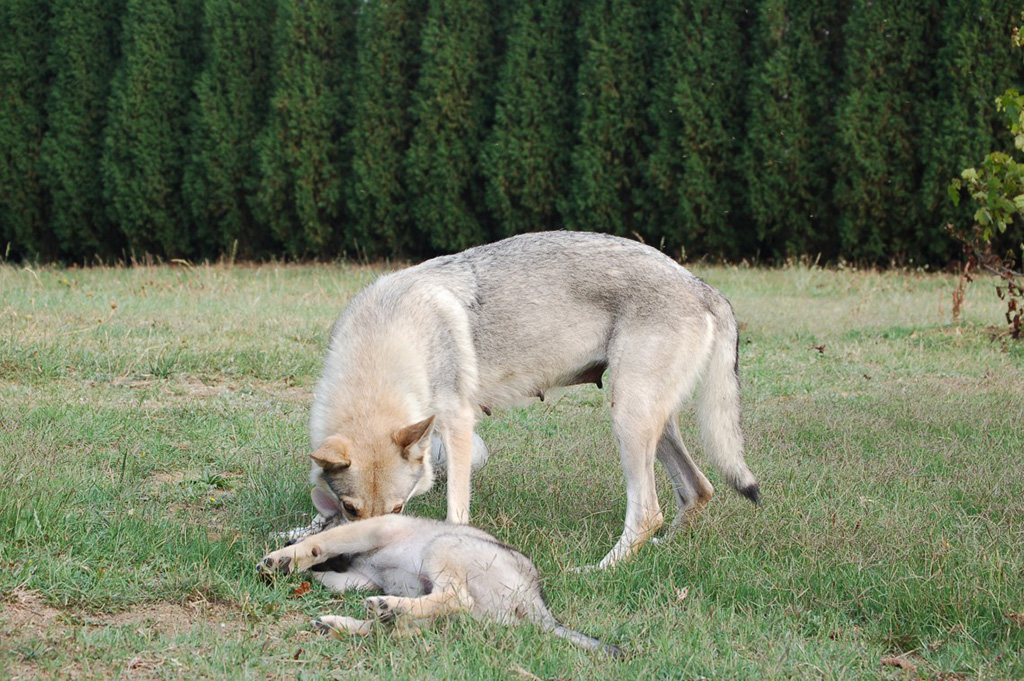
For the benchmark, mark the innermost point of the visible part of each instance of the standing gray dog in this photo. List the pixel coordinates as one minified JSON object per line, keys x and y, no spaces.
{"x":432,"y":347}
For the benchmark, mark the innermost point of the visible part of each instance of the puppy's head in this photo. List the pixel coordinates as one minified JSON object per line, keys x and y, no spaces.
{"x":362,"y":477}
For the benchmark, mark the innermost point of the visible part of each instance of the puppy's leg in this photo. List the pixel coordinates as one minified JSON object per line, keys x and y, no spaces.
{"x":692,"y":490}
{"x":344,"y":581}
{"x":449,"y":597}
{"x":332,"y":624}
{"x":356,"y":537}
{"x":457,"y":436}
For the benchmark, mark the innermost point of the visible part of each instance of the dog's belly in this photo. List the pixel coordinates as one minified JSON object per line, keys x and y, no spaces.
{"x":516,"y":387}
{"x":396,"y":568}
{"x":517,"y":365}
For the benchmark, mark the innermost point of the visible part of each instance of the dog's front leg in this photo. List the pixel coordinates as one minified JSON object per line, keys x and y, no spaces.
{"x":457,"y":437}
{"x":356,"y":537}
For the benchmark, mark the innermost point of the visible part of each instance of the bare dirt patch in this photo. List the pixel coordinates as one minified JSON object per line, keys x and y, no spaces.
{"x":25,"y":610}
{"x":29,"y":624}
{"x":26,"y":613}
{"x":168,"y":477}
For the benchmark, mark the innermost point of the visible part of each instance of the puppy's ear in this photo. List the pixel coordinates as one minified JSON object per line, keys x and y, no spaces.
{"x":324,"y":501}
{"x":332,"y":454}
{"x":413,"y":437}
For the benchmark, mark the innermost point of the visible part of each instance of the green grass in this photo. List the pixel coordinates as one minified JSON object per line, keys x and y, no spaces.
{"x":152,"y":437}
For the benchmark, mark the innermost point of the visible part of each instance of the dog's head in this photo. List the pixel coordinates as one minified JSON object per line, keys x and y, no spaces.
{"x":362,"y":477}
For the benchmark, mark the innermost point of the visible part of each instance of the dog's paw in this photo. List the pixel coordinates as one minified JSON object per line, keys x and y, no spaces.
{"x":272,"y":565}
{"x":294,"y":558}
{"x":322,"y":625}
{"x":379,"y":607}
{"x":336,"y":626}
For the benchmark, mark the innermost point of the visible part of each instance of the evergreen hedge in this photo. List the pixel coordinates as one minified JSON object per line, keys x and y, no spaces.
{"x":757,"y":129}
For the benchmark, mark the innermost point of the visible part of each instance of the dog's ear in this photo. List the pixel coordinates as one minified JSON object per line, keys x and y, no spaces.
{"x":332,"y":454}
{"x":409,"y":437}
{"x":324,"y":501}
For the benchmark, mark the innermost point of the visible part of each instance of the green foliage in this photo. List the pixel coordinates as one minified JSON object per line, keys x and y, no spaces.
{"x":304,"y":152}
{"x":527,"y":156}
{"x":971,"y":64}
{"x":231,"y":105}
{"x":403,"y":128}
{"x":387,"y":69}
{"x":889,"y":48}
{"x":698,"y":117}
{"x":24,"y":76}
{"x":83,"y":56}
{"x":453,"y":108}
{"x":998,"y":189}
{"x":613,"y":96}
{"x":789,"y":153}
{"x":147,"y":134}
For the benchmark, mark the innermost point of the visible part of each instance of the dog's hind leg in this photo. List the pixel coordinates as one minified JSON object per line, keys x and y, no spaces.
{"x":339,"y":626}
{"x":332,"y":624}
{"x":637,"y":444}
{"x":443,"y":601}
{"x":344,"y":581}
{"x":648,"y":378}
{"x":692,"y":490}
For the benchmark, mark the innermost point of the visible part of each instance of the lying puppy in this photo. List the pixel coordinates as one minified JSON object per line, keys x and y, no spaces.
{"x":428,"y":569}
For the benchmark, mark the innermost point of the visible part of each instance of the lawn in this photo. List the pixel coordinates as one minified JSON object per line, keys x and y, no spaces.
{"x":153,"y":437}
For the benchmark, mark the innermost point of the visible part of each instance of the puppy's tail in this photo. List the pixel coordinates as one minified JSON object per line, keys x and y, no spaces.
{"x":586,"y":642}
{"x":546,"y":621}
{"x":718,"y":405}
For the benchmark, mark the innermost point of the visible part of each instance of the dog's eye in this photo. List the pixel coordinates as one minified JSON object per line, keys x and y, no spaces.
{"x":350,"y":510}
{"x":398,"y":509}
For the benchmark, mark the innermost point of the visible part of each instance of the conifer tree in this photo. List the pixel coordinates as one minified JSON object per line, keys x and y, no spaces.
{"x":528,"y":152}
{"x":612,"y":113}
{"x":453,"y":109}
{"x":880,"y":124}
{"x":697,"y":112}
{"x":791,"y":126}
{"x":147,"y":133}
{"x":86,"y":46}
{"x":386,"y":74}
{"x":231,"y":105}
{"x":972,"y":63}
{"x":305,"y":160}
{"x":24,"y":40}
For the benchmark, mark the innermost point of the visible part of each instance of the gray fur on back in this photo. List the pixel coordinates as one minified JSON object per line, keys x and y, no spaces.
{"x":540,"y":309}
{"x":547,"y":295}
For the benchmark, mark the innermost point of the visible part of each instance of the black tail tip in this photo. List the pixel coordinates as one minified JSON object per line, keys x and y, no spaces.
{"x":752,"y":492}
{"x":614,"y":652}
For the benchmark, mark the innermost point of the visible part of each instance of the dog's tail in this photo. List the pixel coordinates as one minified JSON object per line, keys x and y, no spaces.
{"x":546,"y":621}
{"x":541,"y":615}
{"x":718,"y":406}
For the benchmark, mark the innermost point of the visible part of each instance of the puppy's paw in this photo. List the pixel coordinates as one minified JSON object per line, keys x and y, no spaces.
{"x":380,"y":608}
{"x":294,"y":558}
{"x":272,"y":565}
{"x":331,"y":624}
